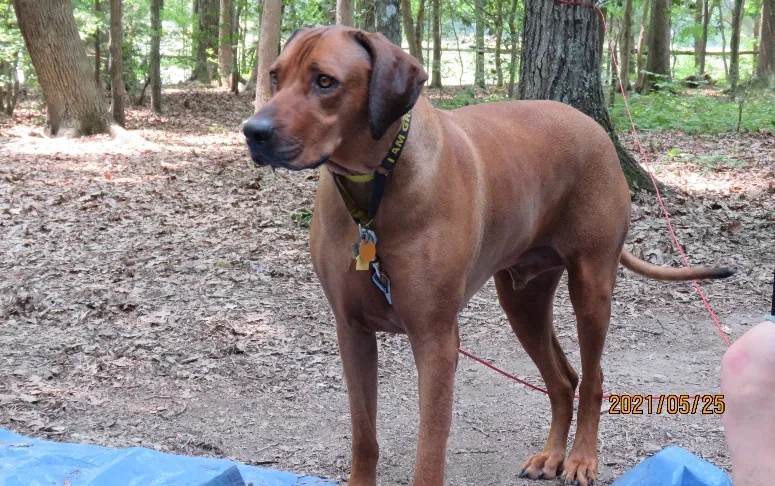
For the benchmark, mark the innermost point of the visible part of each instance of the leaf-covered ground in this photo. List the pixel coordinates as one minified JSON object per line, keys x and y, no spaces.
{"x":159,"y":293}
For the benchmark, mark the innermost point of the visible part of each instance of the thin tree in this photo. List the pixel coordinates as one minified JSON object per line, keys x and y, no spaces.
{"x":345,"y":13}
{"x":419,"y":29}
{"x":514,"y":40}
{"x":734,"y":55}
{"x":765,"y":66}
{"x":704,"y":38}
{"x":658,"y":61}
{"x":757,"y":28}
{"x":626,"y":43}
{"x":570,"y":72}
{"x":387,"y":19}
{"x":498,"y":42}
{"x":74,"y":102}
{"x":226,"y":42}
{"x":97,"y":44}
{"x":644,"y":33}
{"x":723,"y":37}
{"x":415,"y":49}
{"x":155,"y":61}
{"x":479,"y":20}
{"x":700,"y":35}
{"x":268,"y":48}
{"x":117,"y":90}
{"x":436,"y":28}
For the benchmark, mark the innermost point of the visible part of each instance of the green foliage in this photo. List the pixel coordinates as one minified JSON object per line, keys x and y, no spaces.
{"x":696,"y":113}
{"x":302,"y":217}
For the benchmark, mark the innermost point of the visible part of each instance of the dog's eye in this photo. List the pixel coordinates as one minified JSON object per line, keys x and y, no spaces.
{"x":325,"y":82}
{"x":273,"y":79}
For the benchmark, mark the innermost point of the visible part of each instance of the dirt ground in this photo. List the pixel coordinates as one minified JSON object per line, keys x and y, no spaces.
{"x":158,"y":293}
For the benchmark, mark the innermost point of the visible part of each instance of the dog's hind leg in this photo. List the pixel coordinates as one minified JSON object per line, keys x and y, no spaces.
{"x":590,"y":283}
{"x":529,"y":310}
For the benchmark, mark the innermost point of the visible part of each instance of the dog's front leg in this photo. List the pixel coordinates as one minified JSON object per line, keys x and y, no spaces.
{"x":435,"y":346}
{"x":358,"y":350}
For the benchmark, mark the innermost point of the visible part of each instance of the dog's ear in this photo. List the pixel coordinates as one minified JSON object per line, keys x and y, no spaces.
{"x":395,"y":83}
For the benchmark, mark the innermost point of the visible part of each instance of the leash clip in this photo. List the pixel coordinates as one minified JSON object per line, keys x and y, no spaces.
{"x":382,"y":281}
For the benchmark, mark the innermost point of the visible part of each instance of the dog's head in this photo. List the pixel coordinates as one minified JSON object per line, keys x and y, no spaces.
{"x":331,"y":86}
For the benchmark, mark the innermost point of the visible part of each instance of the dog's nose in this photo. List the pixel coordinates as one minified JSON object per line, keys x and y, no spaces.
{"x":258,"y":128}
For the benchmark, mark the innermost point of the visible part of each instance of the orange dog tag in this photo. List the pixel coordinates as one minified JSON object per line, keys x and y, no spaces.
{"x":367,"y":250}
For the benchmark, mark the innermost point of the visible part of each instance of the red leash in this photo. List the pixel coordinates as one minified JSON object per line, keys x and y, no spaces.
{"x":665,"y":213}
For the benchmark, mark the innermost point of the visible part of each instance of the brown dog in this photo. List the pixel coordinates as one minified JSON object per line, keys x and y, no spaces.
{"x":520,"y":191}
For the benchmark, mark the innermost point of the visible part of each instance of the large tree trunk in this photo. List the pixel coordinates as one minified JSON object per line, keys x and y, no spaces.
{"x":734,"y":57}
{"x":498,"y":42}
{"x":479,"y":20}
{"x":699,"y":47}
{"x":644,"y":33}
{"x":226,"y":42}
{"x":626,"y":43}
{"x":561,"y":61}
{"x":658,"y":61}
{"x":387,"y":19}
{"x":765,"y":66}
{"x":345,"y":13}
{"x":514,"y":39}
{"x":156,"y":6}
{"x":117,"y":91}
{"x":75,"y":106}
{"x":268,"y":48}
{"x":436,"y":28}
{"x":207,"y":40}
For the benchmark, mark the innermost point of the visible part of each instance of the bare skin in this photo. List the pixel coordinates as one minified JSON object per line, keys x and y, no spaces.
{"x":748,"y":385}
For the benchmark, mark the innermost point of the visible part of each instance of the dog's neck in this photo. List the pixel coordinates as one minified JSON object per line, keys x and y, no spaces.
{"x":413,"y":167}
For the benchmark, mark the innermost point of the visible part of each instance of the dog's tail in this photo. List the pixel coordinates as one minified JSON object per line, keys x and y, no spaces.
{"x":649,"y":270}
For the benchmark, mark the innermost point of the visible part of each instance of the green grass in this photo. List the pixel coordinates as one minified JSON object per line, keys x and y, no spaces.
{"x":691,"y":112}
{"x":696,"y":113}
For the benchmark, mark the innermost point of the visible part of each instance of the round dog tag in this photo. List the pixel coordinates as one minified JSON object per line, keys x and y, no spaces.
{"x":367,"y":250}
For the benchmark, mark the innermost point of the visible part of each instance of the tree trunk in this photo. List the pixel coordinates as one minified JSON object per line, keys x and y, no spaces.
{"x":436,"y":69}
{"x":406,"y":15}
{"x":73,"y":100}
{"x":723,"y":37}
{"x":698,"y":47}
{"x":268,"y":48}
{"x":207,"y":43}
{"x":387,"y":19}
{"x":156,"y":6}
{"x":235,"y":35}
{"x":368,"y":17}
{"x":644,"y":33}
{"x":757,"y":28}
{"x":561,"y":61}
{"x":97,"y":46}
{"x":498,"y":42}
{"x":626,"y":43}
{"x":734,"y":57}
{"x":419,"y":30}
{"x":514,"y":39}
{"x":345,"y":13}
{"x":117,"y":92}
{"x":765,"y":66}
{"x":658,"y":61}
{"x":704,"y":39}
{"x":479,"y":19}
{"x":226,"y":42}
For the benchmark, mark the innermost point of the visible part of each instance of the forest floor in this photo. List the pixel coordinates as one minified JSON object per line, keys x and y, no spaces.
{"x":160,"y":294}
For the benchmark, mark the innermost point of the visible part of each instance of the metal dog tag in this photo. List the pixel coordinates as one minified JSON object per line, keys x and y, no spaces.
{"x":382,"y":281}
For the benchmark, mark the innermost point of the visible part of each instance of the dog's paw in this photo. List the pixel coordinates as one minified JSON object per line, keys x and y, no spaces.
{"x":580,"y":470}
{"x":544,"y":465}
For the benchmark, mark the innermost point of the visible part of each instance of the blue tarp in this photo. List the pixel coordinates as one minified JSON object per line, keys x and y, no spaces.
{"x":673,"y":466}
{"x":33,"y":462}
